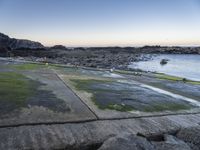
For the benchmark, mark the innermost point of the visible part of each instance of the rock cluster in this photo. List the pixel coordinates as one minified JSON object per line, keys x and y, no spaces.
{"x":185,"y":139}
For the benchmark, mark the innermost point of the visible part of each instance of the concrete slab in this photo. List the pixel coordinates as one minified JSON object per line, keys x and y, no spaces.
{"x":78,"y":135}
{"x":119,"y":96}
{"x":31,"y":97}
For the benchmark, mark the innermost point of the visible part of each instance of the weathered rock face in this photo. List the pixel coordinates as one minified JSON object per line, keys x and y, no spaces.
{"x":6,"y":41}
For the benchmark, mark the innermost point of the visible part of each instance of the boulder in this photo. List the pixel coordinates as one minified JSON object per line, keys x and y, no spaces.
{"x":191,"y":136}
{"x":171,"y":143}
{"x":126,"y":142}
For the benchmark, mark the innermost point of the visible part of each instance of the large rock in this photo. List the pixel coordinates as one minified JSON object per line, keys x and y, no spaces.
{"x":6,"y":41}
{"x":191,"y":136}
{"x":171,"y":143}
{"x":127,"y":142}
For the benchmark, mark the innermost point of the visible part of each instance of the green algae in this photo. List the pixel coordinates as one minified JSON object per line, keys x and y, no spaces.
{"x":85,"y":85}
{"x":105,"y":95}
{"x":14,"y":87}
{"x":27,"y":66}
{"x":120,"y":107}
{"x":17,"y":91}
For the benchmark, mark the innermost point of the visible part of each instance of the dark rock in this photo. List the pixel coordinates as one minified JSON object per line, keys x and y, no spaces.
{"x":6,"y":41}
{"x":191,"y":136}
{"x":127,"y":142}
{"x":25,"y":44}
{"x":171,"y":143}
{"x":164,"y":61}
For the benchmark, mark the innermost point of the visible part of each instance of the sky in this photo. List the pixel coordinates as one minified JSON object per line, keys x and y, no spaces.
{"x":103,"y":22}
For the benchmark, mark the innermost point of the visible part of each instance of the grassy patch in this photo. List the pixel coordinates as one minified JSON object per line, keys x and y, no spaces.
{"x":28,"y":66}
{"x":14,"y":87}
{"x":124,"y":72}
{"x":168,"y":77}
{"x":174,"y":78}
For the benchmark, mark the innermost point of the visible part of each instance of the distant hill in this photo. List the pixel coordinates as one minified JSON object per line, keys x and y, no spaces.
{"x":61,"y":47}
{"x":12,"y":43}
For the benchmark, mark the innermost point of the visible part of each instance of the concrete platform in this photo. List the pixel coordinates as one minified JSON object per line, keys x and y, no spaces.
{"x":40,"y":108}
{"x":44,"y":98}
{"x":120,"y":90}
{"x":55,"y":97}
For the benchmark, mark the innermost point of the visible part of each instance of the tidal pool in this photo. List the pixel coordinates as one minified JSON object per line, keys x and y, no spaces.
{"x":181,"y":65}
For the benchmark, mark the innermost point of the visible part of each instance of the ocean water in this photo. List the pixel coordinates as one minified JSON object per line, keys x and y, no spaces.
{"x":181,"y":65}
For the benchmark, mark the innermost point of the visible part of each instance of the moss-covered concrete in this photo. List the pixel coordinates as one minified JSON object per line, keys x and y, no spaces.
{"x":27,"y":66}
{"x":17,"y":91}
{"x":120,"y":96}
{"x":15,"y":88}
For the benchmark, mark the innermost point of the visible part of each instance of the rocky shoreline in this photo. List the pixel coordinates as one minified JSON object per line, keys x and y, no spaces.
{"x":97,"y":57}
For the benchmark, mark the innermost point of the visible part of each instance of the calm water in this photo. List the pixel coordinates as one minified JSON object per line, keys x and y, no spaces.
{"x":187,"y":66}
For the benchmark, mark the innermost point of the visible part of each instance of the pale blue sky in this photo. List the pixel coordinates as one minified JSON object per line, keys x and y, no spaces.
{"x":103,"y":22}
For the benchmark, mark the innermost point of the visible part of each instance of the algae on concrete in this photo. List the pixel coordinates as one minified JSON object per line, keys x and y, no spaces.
{"x":119,"y":96}
{"x":27,"y":66}
{"x":18,"y":91}
{"x":14,"y":87}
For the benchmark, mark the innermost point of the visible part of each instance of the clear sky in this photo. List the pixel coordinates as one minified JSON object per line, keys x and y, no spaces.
{"x":103,"y":22}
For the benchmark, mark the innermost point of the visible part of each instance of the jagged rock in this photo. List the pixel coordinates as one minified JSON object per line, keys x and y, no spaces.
{"x":191,"y":136}
{"x":6,"y":41}
{"x":127,"y":142}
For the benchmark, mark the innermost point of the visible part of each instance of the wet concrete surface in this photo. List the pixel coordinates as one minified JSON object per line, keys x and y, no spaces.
{"x":178,"y":87}
{"x":113,"y":95}
{"x":54,"y":117}
{"x":68,"y":94}
{"x":44,"y":99}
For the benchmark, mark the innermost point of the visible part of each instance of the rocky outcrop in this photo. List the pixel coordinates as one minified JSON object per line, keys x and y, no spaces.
{"x":12,"y":43}
{"x":59,"y":47}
